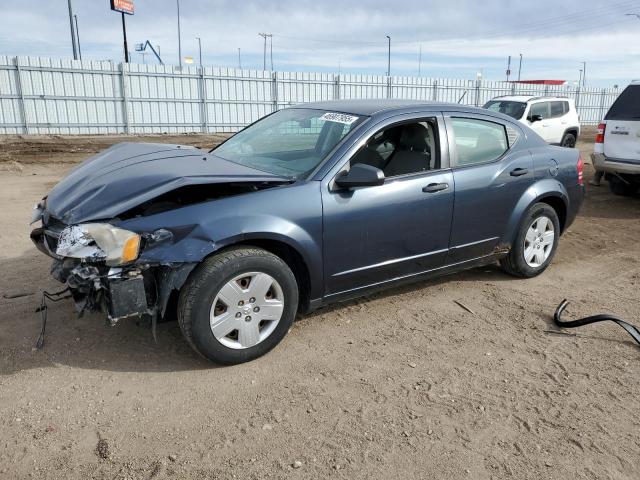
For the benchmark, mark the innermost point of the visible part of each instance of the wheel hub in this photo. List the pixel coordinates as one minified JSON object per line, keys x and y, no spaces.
{"x":539,"y":241}
{"x":246,"y":310}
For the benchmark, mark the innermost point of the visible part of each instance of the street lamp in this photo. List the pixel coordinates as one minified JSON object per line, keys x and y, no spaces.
{"x":200,"y":50}
{"x":389,"y":57}
{"x":179,"y":37}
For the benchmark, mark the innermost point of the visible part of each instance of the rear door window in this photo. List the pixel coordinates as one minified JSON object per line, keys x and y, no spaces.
{"x":557,"y":109}
{"x":627,"y":106}
{"x":478,"y":141}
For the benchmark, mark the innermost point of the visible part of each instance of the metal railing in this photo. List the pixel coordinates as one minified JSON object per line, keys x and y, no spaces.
{"x":59,"y":96}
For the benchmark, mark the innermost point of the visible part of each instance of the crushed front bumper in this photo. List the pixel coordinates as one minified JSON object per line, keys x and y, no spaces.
{"x":135,"y":290}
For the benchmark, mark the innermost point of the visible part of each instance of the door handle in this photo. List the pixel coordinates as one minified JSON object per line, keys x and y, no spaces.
{"x":518,"y":172}
{"x":435,"y":187}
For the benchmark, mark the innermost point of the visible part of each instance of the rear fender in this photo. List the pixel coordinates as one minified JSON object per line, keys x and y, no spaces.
{"x":540,"y":190}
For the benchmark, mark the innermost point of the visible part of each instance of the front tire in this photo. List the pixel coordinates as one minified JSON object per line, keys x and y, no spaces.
{"x":238,"y":305}
{"x":535,"y":244}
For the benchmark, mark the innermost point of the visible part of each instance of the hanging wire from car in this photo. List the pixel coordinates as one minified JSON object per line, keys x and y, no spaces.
{"x":557,"y":319}
{"x":52,"y":297}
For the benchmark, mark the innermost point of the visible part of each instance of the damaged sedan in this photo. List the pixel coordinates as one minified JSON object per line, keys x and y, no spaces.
{"x":310,"y":205}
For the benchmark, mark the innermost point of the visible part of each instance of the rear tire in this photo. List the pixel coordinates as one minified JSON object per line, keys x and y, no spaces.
{"x":220,"y":323}
{"x":620,"y":187}
{"x":535,"y":244}
{"x":568,"y":140}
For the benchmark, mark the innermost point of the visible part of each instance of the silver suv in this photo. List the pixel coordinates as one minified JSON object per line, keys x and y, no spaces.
{"x":617,"y":146}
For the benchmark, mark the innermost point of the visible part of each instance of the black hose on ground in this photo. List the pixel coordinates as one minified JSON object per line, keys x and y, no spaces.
{"x":53,"y":297}
{"x":631,"y":329}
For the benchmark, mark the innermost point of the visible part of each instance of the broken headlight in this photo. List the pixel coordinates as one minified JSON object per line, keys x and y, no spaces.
{"x":99,"y":241}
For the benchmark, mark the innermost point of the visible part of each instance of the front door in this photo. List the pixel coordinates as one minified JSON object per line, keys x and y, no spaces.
{"x":398,"y":229}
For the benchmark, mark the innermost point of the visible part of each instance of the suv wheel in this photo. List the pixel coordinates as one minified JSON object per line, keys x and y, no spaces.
{"x":568,"y":140}
{"x":620,"y":187}
{"x":238,"y":305}
{"x":535,"y":244}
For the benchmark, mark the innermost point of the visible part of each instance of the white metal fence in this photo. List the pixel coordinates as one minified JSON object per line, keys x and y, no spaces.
{"x":59,"y":96}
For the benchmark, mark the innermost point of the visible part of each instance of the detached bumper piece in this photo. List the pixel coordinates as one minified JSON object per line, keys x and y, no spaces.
{"x":557,"y":319}
{"x":127,"y":298}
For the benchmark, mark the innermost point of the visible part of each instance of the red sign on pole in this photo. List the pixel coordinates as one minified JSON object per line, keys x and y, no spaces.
{"x":123,"y":6}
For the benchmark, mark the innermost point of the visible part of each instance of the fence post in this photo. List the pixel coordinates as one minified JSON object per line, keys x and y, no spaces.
{"x":577,"y":97}
{"x":125,"y":102}
{"x":274,"y":90}
{"x":203,"y":97}
{"x":388,"y":87}
{"x":336,"y":88}
{"x":435,"y":90}
{"x":478,"y":82}
{"x":23,"y":110}
{"x":601,"y":111}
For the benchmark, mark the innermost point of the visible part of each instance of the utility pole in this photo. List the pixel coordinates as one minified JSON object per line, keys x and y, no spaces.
{"x":73,"y":33}
{"x":520,"y":67}
{"x":389,"y":57}
{"x":75,"y":18}
{"x":420,"y":61}
{"x":179,"y":37}
{"x":584,"y":74}
{"x":239,"y":60}
{"x":264,"y":52}
{"x":508,"y":67}
{"x":200,"y":50}
{"x":271,"y":49}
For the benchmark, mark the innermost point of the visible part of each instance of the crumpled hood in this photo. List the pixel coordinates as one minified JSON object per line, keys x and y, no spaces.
{"x":128,"y":174}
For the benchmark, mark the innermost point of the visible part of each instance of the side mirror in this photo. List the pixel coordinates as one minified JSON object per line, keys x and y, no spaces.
{"x":360,"y":175}
{"x":535,"y":118}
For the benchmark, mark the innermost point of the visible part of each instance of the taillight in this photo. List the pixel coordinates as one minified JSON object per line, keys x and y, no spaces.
{"x":600,"y":135}
{"x":580,"y":166}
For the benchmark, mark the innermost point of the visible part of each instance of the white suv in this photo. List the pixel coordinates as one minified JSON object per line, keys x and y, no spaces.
{"x":617,"y":147}
{"x":555,"y":119}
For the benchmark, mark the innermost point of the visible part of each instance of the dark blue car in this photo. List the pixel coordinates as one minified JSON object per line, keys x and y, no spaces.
{"x":310,"y":205}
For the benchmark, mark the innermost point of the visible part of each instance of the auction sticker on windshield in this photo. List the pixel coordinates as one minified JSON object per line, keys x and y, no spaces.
{"x":339,"y":118}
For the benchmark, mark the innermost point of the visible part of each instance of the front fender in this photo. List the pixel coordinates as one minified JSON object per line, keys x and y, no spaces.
{"x":290,"y":215}
{"x":539,"y":190}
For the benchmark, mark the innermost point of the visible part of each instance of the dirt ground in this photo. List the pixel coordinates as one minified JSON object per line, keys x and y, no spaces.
{"x":404,"y":384}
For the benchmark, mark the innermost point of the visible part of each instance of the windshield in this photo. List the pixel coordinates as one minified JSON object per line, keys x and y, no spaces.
{"x":508,"y":107}
{"x":290,"y":142}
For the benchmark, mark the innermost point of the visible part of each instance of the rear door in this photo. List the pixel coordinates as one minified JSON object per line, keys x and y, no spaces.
{"x":541,"y":127}
{"x":622,"y":134}
{"x":557,"y":121}
{"x":492,"y":169}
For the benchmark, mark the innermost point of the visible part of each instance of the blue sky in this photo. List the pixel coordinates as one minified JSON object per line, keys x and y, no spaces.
{"x":458,"y":38}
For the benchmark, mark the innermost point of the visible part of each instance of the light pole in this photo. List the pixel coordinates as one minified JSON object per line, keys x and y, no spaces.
{"x":239,"y":60}
{"x":389,"y":56}
{"x":73,"y":34}
{"x":75,"y":18}
{"x":200,"y":50}
{"x":520,"y":67}
{"x":584,"y":74}
{"x":179,"y":37}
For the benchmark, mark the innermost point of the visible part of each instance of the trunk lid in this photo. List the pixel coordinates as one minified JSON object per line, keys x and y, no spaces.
{"x":622,"y":134}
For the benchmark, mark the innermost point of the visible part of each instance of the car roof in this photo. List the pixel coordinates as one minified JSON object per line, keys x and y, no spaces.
{"x":529,"y":98}
{"x":372,"y":106}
